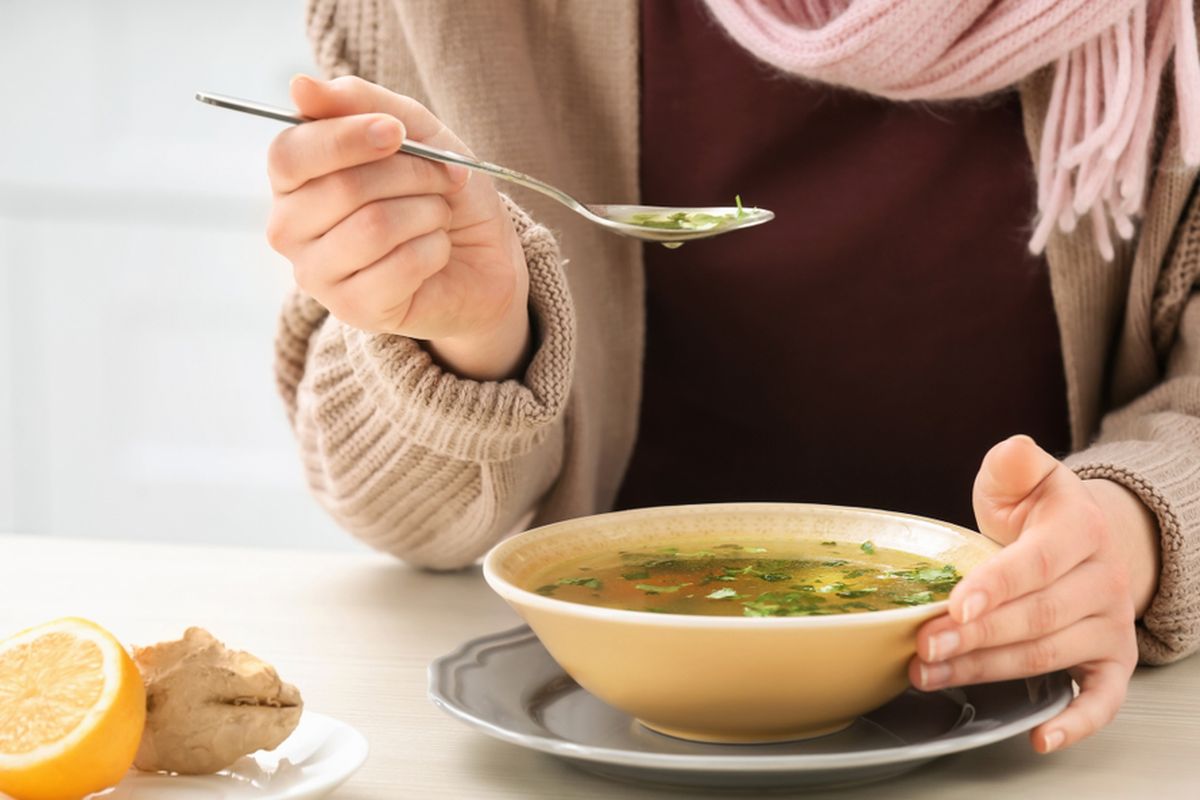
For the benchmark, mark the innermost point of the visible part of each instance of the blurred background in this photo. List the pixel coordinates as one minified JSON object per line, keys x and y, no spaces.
{"x":137,"y":293}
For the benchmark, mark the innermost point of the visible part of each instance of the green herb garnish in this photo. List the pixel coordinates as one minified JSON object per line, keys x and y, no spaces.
{"x":917,"y":599}
{"x":858,"y":592}
{"x":591,"y":583}
{"x":938,"y":579}
{"x":649,"y":588}
{"x":755,"y":581}
{"x":759,"y":609}
{"x":682,"y":220}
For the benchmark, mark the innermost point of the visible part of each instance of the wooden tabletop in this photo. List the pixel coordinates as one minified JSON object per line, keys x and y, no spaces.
{"x":356,"y":632}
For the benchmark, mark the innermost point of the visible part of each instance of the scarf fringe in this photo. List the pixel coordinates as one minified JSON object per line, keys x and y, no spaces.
{"x":1096,"y":145}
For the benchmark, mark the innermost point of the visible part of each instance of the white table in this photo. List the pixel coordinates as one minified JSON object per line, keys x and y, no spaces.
{"x":356,"y":631}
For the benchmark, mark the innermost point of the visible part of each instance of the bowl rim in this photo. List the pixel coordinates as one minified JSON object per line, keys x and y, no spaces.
{"x":524,"y":598}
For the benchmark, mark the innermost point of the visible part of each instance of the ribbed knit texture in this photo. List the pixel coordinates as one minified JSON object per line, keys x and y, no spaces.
{"x":351,"y":394}
{"x":435,"y":469}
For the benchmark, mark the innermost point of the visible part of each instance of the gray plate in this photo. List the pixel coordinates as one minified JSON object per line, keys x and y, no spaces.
{"x":508,"y":686}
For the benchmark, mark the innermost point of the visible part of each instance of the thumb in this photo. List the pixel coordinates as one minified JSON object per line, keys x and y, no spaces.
{"x":1012,"y":473}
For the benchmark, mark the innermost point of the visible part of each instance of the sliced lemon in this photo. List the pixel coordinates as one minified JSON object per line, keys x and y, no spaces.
{"x":72,"y":709}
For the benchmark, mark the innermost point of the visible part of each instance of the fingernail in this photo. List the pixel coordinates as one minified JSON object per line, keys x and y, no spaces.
{"x":1054,"y":740}
{"x":973,"y":606}
{"x":301,"y":78}
{"x":934,"y":675}
{"x":383,"y":134}
{"x":943,"y":645}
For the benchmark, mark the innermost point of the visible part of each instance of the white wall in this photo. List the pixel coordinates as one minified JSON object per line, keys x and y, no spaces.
{"x":137,"y":294}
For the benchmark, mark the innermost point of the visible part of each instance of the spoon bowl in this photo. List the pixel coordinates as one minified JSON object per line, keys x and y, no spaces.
{"x":673,"y":226}
{"x":668,"y":225}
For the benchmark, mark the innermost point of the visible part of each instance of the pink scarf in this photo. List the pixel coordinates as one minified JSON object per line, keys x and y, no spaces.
{"x":1109,"y":57}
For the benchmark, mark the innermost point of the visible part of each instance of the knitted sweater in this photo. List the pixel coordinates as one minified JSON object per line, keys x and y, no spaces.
{"x":435,"y":469}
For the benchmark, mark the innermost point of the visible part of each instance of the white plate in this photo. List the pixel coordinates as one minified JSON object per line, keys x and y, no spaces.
{"x":317,"y":758}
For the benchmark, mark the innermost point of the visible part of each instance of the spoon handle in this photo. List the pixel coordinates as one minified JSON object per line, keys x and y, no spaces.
{"x":408,"y":146}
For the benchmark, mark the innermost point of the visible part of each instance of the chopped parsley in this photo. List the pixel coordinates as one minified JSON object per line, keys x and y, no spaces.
{"x":650,"y":588}
{"x":591,"y":583}
{"x":689,"y":220}
{"x":755,"y":581}
{"x":915,"y":599}
{"x":858,"y":592}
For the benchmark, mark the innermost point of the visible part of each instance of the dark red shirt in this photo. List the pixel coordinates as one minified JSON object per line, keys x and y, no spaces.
{"x":869,"y":345}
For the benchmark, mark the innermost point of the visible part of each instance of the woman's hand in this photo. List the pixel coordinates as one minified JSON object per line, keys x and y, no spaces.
{"x":1080,"y":563}
{"x":391,"y":243}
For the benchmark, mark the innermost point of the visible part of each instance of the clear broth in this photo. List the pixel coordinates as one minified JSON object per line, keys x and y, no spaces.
{"x":760,"y":580}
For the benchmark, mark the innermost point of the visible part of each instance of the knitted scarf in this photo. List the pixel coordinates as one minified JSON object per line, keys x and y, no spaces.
{"x":1108,"y":56}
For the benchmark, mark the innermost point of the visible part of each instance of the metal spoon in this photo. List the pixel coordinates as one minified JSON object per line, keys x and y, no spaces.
{"x":665,"y":224}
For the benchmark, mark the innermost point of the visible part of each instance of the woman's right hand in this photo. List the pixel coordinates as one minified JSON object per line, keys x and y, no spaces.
{"x":392,"y":243}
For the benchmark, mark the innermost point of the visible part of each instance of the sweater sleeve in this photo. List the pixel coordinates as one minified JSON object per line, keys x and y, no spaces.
{"x":407,"y":457}
{"x":410,"y":458}
{"x":1152,"y":447}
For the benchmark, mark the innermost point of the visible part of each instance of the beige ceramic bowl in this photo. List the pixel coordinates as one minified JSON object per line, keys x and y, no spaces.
{"x":730,"y":679}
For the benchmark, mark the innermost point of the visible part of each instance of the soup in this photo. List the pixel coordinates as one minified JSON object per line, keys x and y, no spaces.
{"x":790,"y":579}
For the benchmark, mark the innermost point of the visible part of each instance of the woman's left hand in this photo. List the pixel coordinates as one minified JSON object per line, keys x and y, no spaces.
{"x":1079,"y":565}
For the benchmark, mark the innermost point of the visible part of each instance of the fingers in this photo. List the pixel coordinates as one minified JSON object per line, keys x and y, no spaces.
{"x":379,"y":298}
{"x":1102,"y":690}
{"x":1090,"y":639}
{"x":1070,"y":599}
{"x":351,"y":95}
{"x":317,"y":148}
{"x":366,"y":236}
{"x":1041,"y":556}
{"x":323,"y":202}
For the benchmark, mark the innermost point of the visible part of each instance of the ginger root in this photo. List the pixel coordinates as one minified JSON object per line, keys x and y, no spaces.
{"x":207,"y":706}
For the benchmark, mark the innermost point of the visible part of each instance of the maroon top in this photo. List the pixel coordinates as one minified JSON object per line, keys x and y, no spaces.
{"x":869,"y":345}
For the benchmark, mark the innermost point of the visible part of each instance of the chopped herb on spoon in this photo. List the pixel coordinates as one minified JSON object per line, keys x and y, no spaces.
{"x":688,"y":220}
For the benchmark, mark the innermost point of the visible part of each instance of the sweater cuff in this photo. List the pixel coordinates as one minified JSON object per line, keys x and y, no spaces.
{"x":1167,"y":480}
{"x":470,"y":420}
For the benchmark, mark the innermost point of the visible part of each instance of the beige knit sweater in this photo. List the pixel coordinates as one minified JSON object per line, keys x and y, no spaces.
{"x":435,"y":469}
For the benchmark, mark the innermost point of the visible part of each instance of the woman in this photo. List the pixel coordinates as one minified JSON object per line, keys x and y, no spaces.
{"x":458,"y":365}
